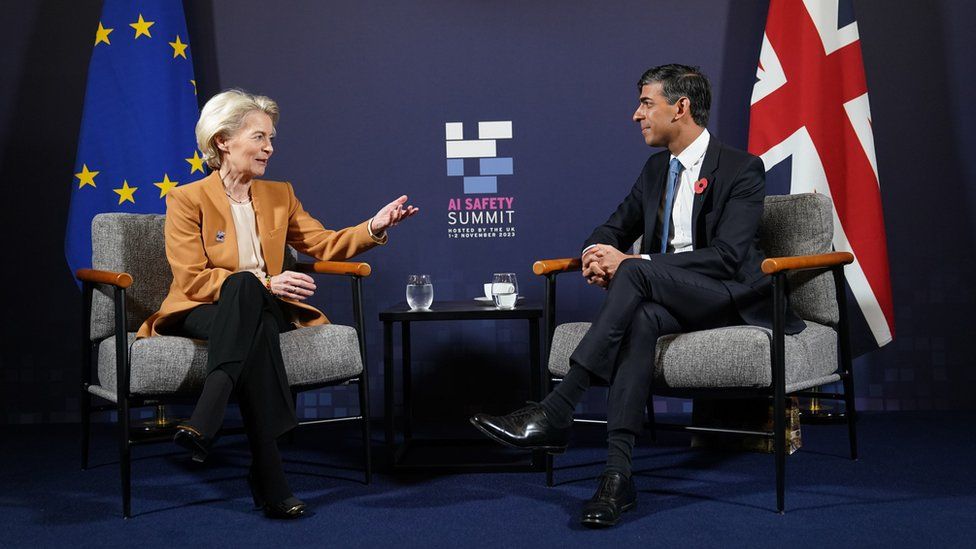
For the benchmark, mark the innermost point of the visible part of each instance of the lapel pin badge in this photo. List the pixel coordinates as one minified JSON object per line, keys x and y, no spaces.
{"x":700,"y":185}
{"x":220,"y":236}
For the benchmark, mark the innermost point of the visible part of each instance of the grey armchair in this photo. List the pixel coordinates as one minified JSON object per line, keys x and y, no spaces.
{"x":129,"y":279}
{"x":795,"y":233}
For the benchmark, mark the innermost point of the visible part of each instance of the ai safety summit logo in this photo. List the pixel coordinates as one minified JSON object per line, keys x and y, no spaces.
{"x":481,"y":211}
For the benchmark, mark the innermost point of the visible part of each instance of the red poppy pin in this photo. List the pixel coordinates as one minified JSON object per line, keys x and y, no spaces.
{"x":700,"y":185}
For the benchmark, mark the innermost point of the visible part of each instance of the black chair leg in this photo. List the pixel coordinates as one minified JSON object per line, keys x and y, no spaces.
{"x":779,"y":443}
{"x":367,"y":436}
{"x":549,"y":460}
{"x":844,"y":340}
{"x":778,"y":364}
{"x":85,"y":427}
{"x":290,"y":436}
{"x":125,"y":463}
{"x":651,"y":422}
{"x":851,"y":413}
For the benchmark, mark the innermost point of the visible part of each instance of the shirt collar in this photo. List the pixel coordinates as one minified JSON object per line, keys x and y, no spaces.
{"x":695,"y":152}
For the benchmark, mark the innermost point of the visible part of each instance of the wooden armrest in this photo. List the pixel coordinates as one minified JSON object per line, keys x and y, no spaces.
{"x":95,"y":276}
{"x":549,"y":266}
{"x":335,"y":268}
{"x":774,"y":265}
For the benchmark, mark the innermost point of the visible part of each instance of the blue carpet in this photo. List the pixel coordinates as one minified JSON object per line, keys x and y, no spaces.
{"x":913,"y":487}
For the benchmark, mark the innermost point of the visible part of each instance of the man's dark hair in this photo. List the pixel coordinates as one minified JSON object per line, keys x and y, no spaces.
{"x":679,"y":81}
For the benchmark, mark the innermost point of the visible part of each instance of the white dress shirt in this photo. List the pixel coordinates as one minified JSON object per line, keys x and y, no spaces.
{"x":684,"y":199}
{"x":684,"y":196}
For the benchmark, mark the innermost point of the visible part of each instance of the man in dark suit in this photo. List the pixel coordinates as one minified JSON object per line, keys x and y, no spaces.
{"x":697,"y":206}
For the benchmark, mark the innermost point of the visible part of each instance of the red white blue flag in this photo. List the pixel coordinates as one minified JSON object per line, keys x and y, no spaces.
{"x":811,"y":123}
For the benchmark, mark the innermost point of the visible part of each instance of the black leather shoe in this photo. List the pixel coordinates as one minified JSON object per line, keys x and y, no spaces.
{"x":528,"y":428}
{"x":290,"y":508}
{"x":191,"y":439}
{"x":614,"y":496}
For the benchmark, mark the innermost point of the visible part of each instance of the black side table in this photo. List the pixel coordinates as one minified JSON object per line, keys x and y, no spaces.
{"x":451,"y":311}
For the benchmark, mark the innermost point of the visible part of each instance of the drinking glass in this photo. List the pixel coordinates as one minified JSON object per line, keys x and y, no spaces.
{"x":504,"y":290}
{"x":420,"y":292}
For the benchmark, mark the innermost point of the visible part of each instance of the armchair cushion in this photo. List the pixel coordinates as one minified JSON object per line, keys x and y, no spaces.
{"x":731,"y":357}
{"x":802,"y":224}
{"x":169,"y":364}
{"x":134,"y":244}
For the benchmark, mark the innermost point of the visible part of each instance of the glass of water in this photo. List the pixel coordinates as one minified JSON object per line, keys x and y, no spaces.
{"x":504,"y":290}
{"x":420,"y":292}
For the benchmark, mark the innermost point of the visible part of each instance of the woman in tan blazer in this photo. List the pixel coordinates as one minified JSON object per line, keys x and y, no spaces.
{"x":225,"y":241}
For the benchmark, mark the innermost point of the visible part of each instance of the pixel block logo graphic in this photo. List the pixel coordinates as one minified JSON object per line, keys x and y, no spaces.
{"x":490,"y":166}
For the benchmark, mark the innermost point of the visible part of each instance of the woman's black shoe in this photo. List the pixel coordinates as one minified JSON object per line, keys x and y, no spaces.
{"x":191,"y":439}
{"x":290,"y":508}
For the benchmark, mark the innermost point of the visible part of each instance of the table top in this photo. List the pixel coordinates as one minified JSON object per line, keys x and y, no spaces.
{"x":462,"y":310}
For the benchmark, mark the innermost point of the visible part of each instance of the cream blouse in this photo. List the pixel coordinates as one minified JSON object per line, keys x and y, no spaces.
{"x":248,"y":245}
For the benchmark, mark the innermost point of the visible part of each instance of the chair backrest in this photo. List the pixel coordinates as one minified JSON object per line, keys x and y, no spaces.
{"x":134,"y":244}
{"x":130,"y":243}
{"x":803,"y":224}
{"x":800,"y":224}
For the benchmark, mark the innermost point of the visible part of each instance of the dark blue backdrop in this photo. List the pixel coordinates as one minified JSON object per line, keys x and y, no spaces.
{"x":365,"y":90}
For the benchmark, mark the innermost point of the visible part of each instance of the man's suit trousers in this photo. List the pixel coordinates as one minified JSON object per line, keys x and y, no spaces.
{"x":645,"y":300}
{"x":242,"y":329}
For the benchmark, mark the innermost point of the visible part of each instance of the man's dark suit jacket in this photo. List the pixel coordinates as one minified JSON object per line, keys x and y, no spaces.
{"x":725,"y":227}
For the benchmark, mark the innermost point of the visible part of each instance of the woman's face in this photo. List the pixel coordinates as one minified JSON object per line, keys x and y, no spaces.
{"x":247,"y":152}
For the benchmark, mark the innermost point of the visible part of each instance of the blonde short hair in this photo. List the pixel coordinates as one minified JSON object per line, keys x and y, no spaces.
{"x":223,"y":115}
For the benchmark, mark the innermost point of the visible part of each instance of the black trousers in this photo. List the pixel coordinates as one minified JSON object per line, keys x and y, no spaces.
{"x":242,"y":329}
{"x":645,"y":300}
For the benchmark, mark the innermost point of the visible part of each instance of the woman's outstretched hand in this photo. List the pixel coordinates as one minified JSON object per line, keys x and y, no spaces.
{"x":391,"y":215}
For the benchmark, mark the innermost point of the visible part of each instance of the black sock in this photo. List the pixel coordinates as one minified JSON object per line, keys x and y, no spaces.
{"x":620,"y":446}
{"x":561,"y":402}
{"x":208,"y":415}
{"x":266,"y":463}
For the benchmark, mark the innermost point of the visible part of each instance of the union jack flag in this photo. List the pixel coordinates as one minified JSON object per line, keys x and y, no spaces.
{"x":810,"y":122}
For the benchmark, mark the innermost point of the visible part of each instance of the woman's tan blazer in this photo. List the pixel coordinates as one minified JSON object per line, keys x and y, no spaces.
{"x":201,"y":244}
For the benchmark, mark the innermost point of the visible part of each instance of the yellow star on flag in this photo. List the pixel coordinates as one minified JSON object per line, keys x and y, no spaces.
{"x":101,"y":35}
{"x":86,"y":177}
{"x":194,"y":82}
{"x":126,"y":192}
{"x":142,"y":27}
{"x":196,"y":163}
{"x":179,"y":48}
{"x":165,"y":185}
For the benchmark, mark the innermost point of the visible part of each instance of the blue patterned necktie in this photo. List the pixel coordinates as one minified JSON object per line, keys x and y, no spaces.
{"x":673,"y":172}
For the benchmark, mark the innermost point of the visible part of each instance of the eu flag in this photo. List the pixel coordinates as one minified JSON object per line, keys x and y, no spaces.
{"x":136,"y":140}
